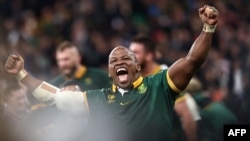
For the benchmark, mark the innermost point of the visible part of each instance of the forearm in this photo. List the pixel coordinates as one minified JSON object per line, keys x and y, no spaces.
{"x":41,"y":90}
{"x":188,"y":123}
{"x":67,"y":101}
{"x":199,"y":50}
{"x":184,"y":69}
{"x":190,"y":128}
{"x":73,"y":102}
{"x":28,"y":80}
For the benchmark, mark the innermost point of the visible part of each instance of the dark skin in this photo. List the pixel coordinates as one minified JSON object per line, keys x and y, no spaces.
{"x":122,"y":57}
{"x":184,"y":69}
{"x":180,"y":72}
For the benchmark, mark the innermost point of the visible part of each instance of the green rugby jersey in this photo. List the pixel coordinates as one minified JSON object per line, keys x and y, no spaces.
{"x":87,"y":79}
{"x":144,"y":113}
{"x":177,"y":131}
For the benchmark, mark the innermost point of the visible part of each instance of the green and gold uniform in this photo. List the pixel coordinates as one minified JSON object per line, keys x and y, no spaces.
{"x":87,"y":79}
{"x":214,"y":116}
{"x":143,"y":113}
{"x":177,"y":131}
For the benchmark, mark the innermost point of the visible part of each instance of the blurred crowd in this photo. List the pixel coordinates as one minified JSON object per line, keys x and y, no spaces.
{"x":34,"y":28}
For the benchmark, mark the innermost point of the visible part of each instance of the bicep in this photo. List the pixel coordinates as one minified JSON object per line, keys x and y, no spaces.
{"x":181,"y":72}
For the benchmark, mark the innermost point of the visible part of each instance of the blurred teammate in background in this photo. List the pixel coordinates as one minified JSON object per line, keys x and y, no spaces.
{"x":214,"y":114}
{"x":68,"y":59}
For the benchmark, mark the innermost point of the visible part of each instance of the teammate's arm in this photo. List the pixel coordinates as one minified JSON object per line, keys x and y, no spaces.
{"x":189,"y":124}
{"x":183,"y":70}
{"x":73,"y":102}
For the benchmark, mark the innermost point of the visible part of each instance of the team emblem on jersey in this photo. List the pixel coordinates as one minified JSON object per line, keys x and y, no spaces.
{"x":142,"y":89}
{"x":111,"y":98}
{"x":88,"y":81}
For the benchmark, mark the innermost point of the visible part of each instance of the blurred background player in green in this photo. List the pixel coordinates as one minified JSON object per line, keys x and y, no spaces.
{"x":69,"y":60}
{"x":186,"y":112}
{"x":214,"y":114}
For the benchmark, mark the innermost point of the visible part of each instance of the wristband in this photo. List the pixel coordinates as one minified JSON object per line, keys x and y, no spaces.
{"x":209,"y":28}
{"x":21,"y":74}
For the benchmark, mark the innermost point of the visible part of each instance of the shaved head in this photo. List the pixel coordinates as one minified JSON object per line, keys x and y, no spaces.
{"x":124,"y":68}
{"x":130,"y":53}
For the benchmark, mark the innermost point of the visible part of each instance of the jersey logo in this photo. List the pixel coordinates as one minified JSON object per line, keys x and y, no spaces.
{"x":88,"y":81}
{"x":124,"y":103}
{"x":142,"y":89}
{"x":111,"y":98}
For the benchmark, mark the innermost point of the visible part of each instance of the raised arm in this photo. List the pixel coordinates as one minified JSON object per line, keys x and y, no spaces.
{"x":183,"y":70}
{"x":15,"y":66}
{"x":72,"y":102}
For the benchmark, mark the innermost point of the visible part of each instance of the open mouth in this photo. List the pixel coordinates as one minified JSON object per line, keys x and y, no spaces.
{"x":122,"y":74}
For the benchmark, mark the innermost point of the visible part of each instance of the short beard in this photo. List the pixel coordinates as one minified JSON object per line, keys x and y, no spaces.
{"x":72,"y":72}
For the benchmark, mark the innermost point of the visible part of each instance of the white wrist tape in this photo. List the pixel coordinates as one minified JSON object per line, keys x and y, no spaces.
{"x":45,"y":93}
{"x":21,"y":74}
{"x":71,"y":102}
{"x":209,"y":28}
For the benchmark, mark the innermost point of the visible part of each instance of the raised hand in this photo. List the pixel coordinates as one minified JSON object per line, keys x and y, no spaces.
{"x":14,"y":64}
{"x":209,"y":15}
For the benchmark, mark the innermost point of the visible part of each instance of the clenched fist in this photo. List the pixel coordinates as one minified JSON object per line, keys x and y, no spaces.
{"x":209,"y":15}
{"x":14,"y":64}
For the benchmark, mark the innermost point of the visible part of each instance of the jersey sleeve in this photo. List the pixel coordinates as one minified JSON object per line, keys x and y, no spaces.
{"x":171,"y":83}
{"x":163,"y":85}
{"x":167,"y":83}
